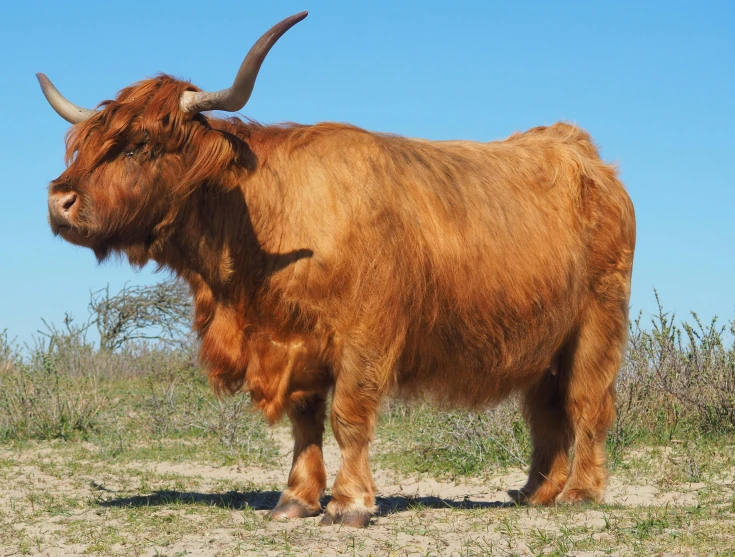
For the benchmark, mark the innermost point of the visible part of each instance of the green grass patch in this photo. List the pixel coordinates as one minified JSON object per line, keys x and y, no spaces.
{"x":421,"y":439}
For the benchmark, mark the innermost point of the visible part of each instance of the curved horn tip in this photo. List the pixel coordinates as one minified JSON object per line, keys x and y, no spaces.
{"x":236,"y":96}
{"x":64,"y":108}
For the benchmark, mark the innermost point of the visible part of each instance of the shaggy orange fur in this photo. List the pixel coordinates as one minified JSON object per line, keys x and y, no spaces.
{"x":329,"y":259}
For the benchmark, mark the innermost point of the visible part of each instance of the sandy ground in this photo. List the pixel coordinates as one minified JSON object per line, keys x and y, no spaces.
{"x":52,"y":507}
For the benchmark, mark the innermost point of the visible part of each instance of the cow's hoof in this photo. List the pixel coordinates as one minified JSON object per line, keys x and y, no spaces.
{"x":355,"y":519}
{"x":543,"y":497}
{"x":518,"y":496}
{"x":572,"y":496}
{"x":292,"y":509}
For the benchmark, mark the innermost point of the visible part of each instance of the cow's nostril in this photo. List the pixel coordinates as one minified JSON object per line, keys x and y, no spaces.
{"x":68,"y":201}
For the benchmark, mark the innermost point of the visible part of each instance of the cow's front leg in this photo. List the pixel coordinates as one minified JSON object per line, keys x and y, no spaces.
{"x":354,"y":411}
{"x":308,"y":478}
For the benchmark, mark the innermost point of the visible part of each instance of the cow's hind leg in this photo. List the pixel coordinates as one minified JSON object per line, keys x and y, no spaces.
{"x":593,"y":366}
{"x":354,"y":412}
{"x":307,"y":478}
{"x":546,"y":415}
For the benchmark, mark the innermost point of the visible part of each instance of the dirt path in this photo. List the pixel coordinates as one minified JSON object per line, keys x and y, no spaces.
{"x":59,"y":503}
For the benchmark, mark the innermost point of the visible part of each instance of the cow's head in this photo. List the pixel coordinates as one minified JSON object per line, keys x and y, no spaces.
{"x":132,"y":162}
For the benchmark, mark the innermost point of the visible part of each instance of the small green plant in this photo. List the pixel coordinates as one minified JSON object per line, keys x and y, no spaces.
{"x":39,"y":398}
{"x":676,"y":380}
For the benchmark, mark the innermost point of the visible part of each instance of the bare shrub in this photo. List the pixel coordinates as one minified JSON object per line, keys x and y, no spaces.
{"x":240,"y":432}
{"x":160,"y":313}
{"x":60,"y":388}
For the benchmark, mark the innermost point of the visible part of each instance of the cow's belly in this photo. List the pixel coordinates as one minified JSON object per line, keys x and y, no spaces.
{"x":481,"y":356}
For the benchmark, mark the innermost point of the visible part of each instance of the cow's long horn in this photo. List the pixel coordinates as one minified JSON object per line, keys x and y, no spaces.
{"x":64,"y":108}
{"x":235,"y":97}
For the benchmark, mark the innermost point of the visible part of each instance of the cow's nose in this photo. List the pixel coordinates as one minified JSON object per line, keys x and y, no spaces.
{"x":60,"y":207}
{"x":67,"y":201}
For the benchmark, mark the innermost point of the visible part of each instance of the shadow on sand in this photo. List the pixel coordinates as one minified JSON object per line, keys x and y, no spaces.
{"x":266,"y":500}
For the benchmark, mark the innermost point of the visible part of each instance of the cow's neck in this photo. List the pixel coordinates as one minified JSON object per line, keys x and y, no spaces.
{"x":218,"y":252}
{"x":237,"y":313}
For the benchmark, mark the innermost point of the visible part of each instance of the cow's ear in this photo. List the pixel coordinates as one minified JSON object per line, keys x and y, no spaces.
{"x":217,"y":158}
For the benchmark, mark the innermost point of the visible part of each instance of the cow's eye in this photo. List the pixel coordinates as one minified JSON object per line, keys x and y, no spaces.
{"x":132,"y":151}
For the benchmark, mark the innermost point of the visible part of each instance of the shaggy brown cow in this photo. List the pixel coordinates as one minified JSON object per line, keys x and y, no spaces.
{"x":327,"y":258}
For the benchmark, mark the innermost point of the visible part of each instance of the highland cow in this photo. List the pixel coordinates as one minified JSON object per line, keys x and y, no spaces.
{"x":329,"y":259}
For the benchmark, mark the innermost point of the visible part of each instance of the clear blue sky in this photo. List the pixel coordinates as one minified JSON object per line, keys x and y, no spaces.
{"x":653,"y":82}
